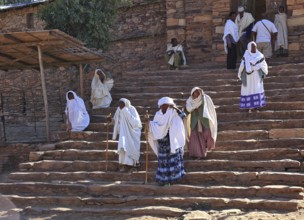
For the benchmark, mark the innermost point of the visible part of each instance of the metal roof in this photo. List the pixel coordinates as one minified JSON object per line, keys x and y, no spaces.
{"x":19,"y":50}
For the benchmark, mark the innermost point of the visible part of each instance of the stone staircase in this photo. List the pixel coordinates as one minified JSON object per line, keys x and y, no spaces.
{"x":257,"y":163}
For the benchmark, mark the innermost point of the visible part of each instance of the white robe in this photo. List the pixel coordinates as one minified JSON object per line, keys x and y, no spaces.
{"x":208,"y":112}
{"x":254,"y":85}
{"x":128,"y":125}
{"x":232,"y":29}
{"x":243,"y":22}
{"x":280,"y":22}
{"x":175,"y":49}
{"x":164,"y":123}
{"x":100,"y":95}
{"x":77,"y":113}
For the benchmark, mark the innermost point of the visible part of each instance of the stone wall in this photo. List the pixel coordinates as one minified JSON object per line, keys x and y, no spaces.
{"x":138,"y":37}
{"x":16,"y":20}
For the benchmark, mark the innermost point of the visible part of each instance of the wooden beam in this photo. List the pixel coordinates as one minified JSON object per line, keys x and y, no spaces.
{"x":44,"y":92}
{"x":81,"y":80}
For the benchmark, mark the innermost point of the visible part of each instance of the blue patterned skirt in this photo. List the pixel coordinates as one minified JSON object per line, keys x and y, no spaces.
{"x":170,"y":166}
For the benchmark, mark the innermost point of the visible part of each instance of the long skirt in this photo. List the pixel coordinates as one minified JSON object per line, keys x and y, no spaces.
{"x":200,"y":142}
{"x":170,"y":166}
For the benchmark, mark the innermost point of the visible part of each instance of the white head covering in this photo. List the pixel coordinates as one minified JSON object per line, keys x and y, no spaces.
{"x":191,"y":103}
{"x":126,"y":101}
{"x":77,"y":100}
{"x":241,"y":9}
{"x":252,"y":58}
{"x":165,"y":100}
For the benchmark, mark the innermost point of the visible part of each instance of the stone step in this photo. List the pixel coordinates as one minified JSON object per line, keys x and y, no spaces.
{"x":278,"y":106}
{"x":110,"y":189}
{"x":97,"y":212}
{"x":190,"y":165}
{"x":230,"y":145}
{"x":147,"y":201}
{"x":222,"y":135}
{"x":222,"y":126}
{"x":207,"y":178}
{"x":98,"y":155}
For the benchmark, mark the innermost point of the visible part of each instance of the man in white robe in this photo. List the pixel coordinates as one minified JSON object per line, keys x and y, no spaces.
{"x":252,"y":70}
{"x":230,"y":38}
{"x":244,"y":21}
{"x":77,"y":116}
{"x":101,"y":86}
{"x":280,"y":21}
{"x":127,"y":125}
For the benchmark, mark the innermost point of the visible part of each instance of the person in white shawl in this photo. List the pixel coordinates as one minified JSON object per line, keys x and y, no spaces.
{"x":230,"y":38}
{"x":167,"y":139}
{"x":175,"y":54}
{"x":280,"y":21}
{"x":252,"y":70}
{"x":101,"y":86}
{"x":202,"y":124}
{"x":244,"y":21}
{"x":77,"y":116}
{"x":127,"y":125}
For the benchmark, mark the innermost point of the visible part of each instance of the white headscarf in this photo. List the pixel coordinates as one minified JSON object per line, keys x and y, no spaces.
{"x":208,"y":111}
{"x":164,"y":123}
{"x":77,"y":113}
{"x":127,"y":123}
{"x":253,"y":61}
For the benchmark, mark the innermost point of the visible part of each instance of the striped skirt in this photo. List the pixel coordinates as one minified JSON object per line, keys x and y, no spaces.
{"x":170,"y":166}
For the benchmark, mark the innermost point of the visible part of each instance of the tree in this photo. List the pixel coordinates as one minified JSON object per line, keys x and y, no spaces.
{"x":86,"y":20}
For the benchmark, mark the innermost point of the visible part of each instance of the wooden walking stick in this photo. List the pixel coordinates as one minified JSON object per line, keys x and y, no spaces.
{"x":147,"y":145}
{"x":108,"y":119}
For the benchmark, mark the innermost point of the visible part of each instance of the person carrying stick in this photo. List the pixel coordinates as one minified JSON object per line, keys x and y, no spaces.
{"x":127,"y":125}
{"x":167,"y":139}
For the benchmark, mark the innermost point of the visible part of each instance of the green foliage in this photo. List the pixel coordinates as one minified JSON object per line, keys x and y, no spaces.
{"x":86,"y":20}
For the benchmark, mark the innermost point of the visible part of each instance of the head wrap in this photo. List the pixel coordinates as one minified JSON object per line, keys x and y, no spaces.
{"x":165,"y":100}
{"x":249,"y":48}
{"x":126,"y":101}
{"x":96,"y":75}
{"x":241,"y":9}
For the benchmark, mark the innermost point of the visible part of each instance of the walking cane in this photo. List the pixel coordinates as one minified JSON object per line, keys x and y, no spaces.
{"x":108,"y":119}
{"x":147,"y":145}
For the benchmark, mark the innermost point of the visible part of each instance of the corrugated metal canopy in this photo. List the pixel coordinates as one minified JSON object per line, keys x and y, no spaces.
{"x":18,"y":50}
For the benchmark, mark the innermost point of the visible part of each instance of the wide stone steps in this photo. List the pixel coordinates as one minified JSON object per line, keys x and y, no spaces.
{"x":252,"y":144}
{"x":278,"y":106}
{"x":190,"y":165}
{"x":98,"y":155}
{"x":234,"y":117}
{"x":222,"y":136}
{"x":113,"y":190}
{"x":200,"y":178}
{"x":253,"y":125}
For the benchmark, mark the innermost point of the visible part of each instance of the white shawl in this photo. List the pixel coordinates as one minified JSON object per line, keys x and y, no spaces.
{"x":100,"y":95}
{"x":164,"y":123}
{"x":128,"y":125}
{"x":175,"y":49}
{"x":208,"y":112}
{"x":280,"y":22}
{"x":243,"y":22}
{"x":232,"y":29}
{"x":77,"y":113}
{"x":251,"y":62}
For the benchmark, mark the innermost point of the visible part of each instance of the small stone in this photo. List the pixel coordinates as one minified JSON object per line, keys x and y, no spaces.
{"x":197,"y":215}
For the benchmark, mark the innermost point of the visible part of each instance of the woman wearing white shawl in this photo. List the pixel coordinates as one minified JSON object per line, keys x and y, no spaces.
{"x":167,"y":139}
{"x":230,"y":38}
{"x":77,"y":116}
{"x":252,"y":71}
{"x":128,"y":125}
{"x":280,"y":21}
{"x":202,"y":124}
{"x":101,"y":86}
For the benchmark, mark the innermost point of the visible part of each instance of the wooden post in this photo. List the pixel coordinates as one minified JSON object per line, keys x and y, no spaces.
{"x":108,"y":120}
{"x":45,"y":99}
{"x":81,"y":80}
{"x":147,"y":145}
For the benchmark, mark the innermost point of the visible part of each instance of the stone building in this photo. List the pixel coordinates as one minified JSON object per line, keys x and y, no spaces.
{"x":139,"y":40}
